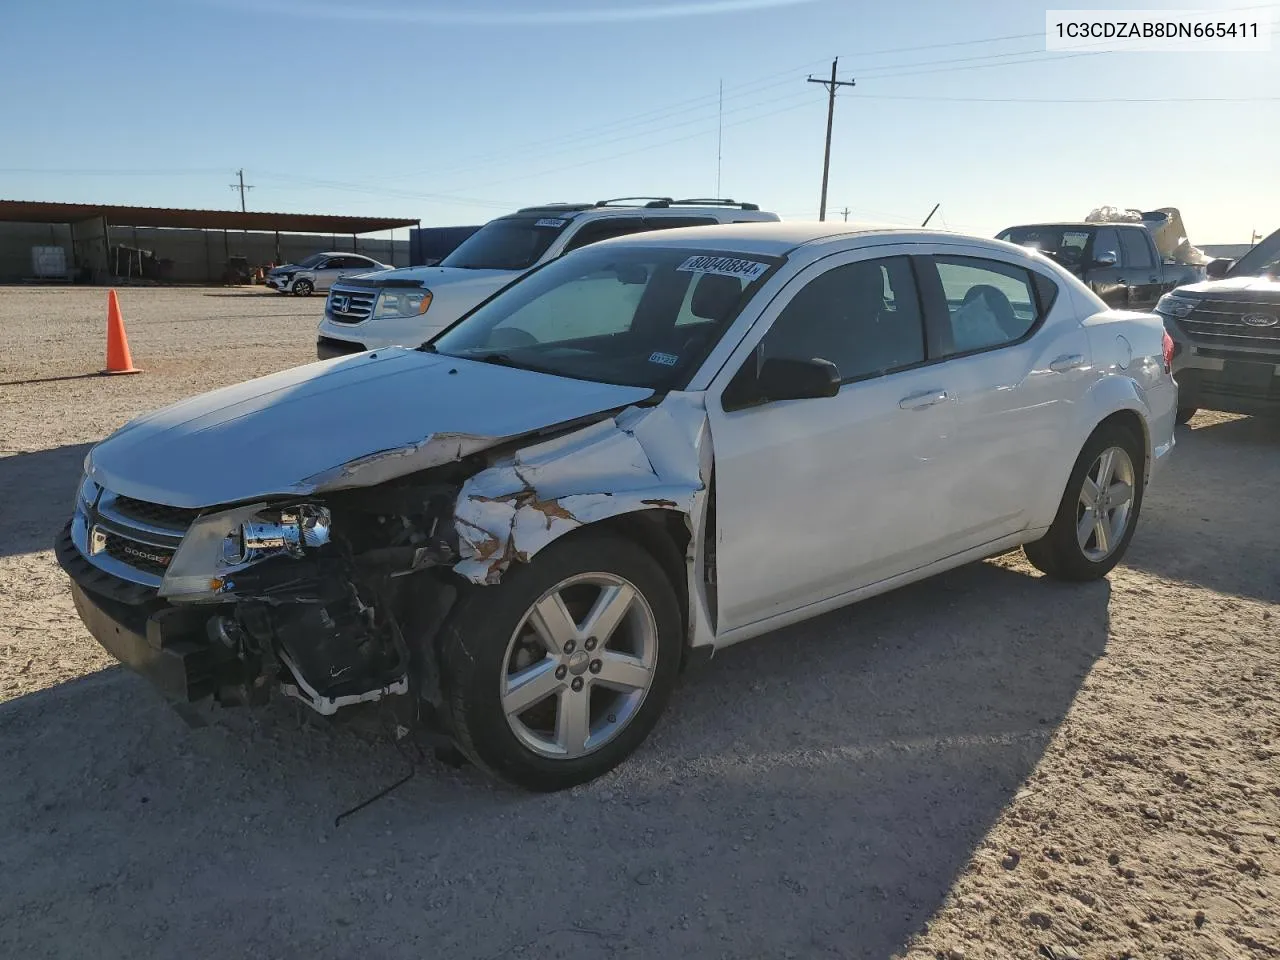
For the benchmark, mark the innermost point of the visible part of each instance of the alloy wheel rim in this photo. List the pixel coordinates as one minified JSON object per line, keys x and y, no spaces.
{"x":1105,"y":504}
{"x":579,"y":665}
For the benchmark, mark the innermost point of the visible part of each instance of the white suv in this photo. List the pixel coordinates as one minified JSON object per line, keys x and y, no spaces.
{"x":319,"y":271}
{"x":411,"y":305}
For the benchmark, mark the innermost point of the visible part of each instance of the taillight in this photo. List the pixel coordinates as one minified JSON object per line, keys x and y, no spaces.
{"x":1168,"y":352}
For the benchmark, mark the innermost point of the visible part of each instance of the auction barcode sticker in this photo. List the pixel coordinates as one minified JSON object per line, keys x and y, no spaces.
{"x":1136,"y":31}
{"x":724,"y":266}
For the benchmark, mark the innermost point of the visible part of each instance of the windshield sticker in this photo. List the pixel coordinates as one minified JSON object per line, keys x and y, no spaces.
{"x":724,"y":266}
{"x":550,"y":222}
{"x":666,"y":359}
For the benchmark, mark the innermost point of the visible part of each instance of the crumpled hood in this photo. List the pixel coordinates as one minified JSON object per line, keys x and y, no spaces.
{"x":1259,"y":289}
{"x":350,"y":422}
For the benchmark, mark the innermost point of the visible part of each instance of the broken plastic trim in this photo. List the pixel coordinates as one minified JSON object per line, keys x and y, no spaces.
{"x":328,"y":706}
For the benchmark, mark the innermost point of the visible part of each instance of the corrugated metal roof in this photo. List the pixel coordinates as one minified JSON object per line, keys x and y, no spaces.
{"x":33,"y":211}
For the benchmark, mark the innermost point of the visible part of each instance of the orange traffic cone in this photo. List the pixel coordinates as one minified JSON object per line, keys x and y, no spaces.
{"x":118,"y":358}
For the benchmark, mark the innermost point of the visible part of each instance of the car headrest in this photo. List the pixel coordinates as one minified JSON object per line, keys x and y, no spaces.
{"x":715,"y":296}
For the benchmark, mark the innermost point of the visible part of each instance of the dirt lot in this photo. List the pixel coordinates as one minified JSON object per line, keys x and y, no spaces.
{"x":985,"y":765}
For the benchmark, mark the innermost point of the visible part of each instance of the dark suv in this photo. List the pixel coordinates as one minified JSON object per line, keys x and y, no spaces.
{"x":1226,"y":334}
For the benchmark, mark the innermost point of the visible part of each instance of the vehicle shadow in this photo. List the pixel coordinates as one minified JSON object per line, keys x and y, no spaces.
{"x":1193,"y":528}
{"x":37,"y":490}
{"x":811,"y":793}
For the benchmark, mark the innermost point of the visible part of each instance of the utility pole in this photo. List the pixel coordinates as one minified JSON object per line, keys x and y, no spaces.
{"x":831,"y":86}
{"x":242,"y":187}
{"x":720,"y":139}
{"x":845,"y":213}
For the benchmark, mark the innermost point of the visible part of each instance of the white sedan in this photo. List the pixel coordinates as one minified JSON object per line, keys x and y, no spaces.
{"x":320,"y":271}
{"x":642,"y":452}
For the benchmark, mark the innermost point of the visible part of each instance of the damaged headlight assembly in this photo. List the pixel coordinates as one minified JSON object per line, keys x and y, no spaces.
{"x":219,"y":545}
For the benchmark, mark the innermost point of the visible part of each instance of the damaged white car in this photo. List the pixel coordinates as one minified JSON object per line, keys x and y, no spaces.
{"x":640,"y":453}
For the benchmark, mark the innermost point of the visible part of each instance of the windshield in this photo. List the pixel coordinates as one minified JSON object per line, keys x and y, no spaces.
{"x":636,"y":316}
{"x":312,"y":261}
{"x":1064,"y":244}
{"x":511,"y":243}
{"x":1262,"y":260}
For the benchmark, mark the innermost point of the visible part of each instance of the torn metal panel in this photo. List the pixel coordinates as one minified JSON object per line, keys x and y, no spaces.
{"x":375,"y":468}
{"x":645,"y":458}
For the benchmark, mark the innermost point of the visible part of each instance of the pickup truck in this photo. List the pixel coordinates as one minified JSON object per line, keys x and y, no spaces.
{"x":1118,"y":261}
{"x":1226,"y":335}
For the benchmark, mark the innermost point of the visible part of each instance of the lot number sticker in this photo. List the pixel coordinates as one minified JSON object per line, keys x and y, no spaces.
{"x":550,"y":222}
{"x":725,"y":267}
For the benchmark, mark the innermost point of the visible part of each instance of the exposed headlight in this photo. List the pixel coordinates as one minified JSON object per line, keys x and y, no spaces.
{"x":402,"y":303}
{"x":219,"y":545}
{"x":1178,"y":307}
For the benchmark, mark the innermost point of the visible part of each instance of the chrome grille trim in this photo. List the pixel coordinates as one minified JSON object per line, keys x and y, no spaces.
{"x":356,"y":304}
{"x":103,"y":534}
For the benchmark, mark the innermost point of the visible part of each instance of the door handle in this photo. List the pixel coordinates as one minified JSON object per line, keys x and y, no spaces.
{"x":918,"y":401}
{"x":1068,"y":361}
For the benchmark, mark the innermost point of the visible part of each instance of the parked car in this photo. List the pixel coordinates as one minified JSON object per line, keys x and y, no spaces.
{"x":319,"y":272}
{"x":637,"y":455}
{"x":1117,"y":261}
{"x":1226,"y":334}
{"x":411,"y":306}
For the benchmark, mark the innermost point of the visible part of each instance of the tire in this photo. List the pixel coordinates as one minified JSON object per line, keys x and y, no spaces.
{"x":495,"y":635}
{"x":1186,"y":413}
{"x":303,"y":288}
{"x":1060,"y":553}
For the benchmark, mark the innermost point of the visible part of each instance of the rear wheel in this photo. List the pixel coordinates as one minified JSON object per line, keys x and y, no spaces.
{"x":554,"y":676}
{"x":303,"y":288}
{"x":1099,"y":510}
{"x":1186,"y":413}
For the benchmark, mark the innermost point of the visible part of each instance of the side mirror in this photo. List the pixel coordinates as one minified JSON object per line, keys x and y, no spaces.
{"x":782,"y":378}
{"x":1217,"y":269}
{"x":1107,"y":259}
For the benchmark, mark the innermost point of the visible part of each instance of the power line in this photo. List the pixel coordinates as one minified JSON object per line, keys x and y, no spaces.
{"x":886,"y":96}
{"x":831,"y":86}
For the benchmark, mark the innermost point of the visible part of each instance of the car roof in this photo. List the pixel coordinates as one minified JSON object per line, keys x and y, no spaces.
{"x":781,"y":237}
{"x":1076,"y":223}
{"x":657,"y":206}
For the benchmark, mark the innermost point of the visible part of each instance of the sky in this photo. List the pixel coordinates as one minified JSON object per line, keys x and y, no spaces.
{"x":456,"y":112}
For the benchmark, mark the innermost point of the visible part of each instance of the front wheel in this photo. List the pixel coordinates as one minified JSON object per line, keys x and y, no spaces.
{"x":1186,"y":413}
{"x":303,"y":288}
{"x":1099,"y":510}
{"x":554,"y":676}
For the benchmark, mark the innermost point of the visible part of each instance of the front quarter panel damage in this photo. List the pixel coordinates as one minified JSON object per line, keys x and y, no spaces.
{"x":645,"y":458}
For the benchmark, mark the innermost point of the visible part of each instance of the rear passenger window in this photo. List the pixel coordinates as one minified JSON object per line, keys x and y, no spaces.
{"x":605,"y":229}
{"x":989,"y":303}
{"x":864,"y":317}
{"x":1136,"y":251}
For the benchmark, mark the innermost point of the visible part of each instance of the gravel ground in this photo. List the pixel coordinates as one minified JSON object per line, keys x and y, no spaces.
{"x":984,"y":765}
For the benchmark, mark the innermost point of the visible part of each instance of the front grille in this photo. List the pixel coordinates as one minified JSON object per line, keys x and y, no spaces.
{"x":141,"y":556}
{"x":350,"y":306}
{"x":157,"y":514}
{"x":1220,"y":323}
{"x":133,"y":539}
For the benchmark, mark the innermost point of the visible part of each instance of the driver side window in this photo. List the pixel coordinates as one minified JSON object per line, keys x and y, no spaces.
{"x":864,"y":317}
